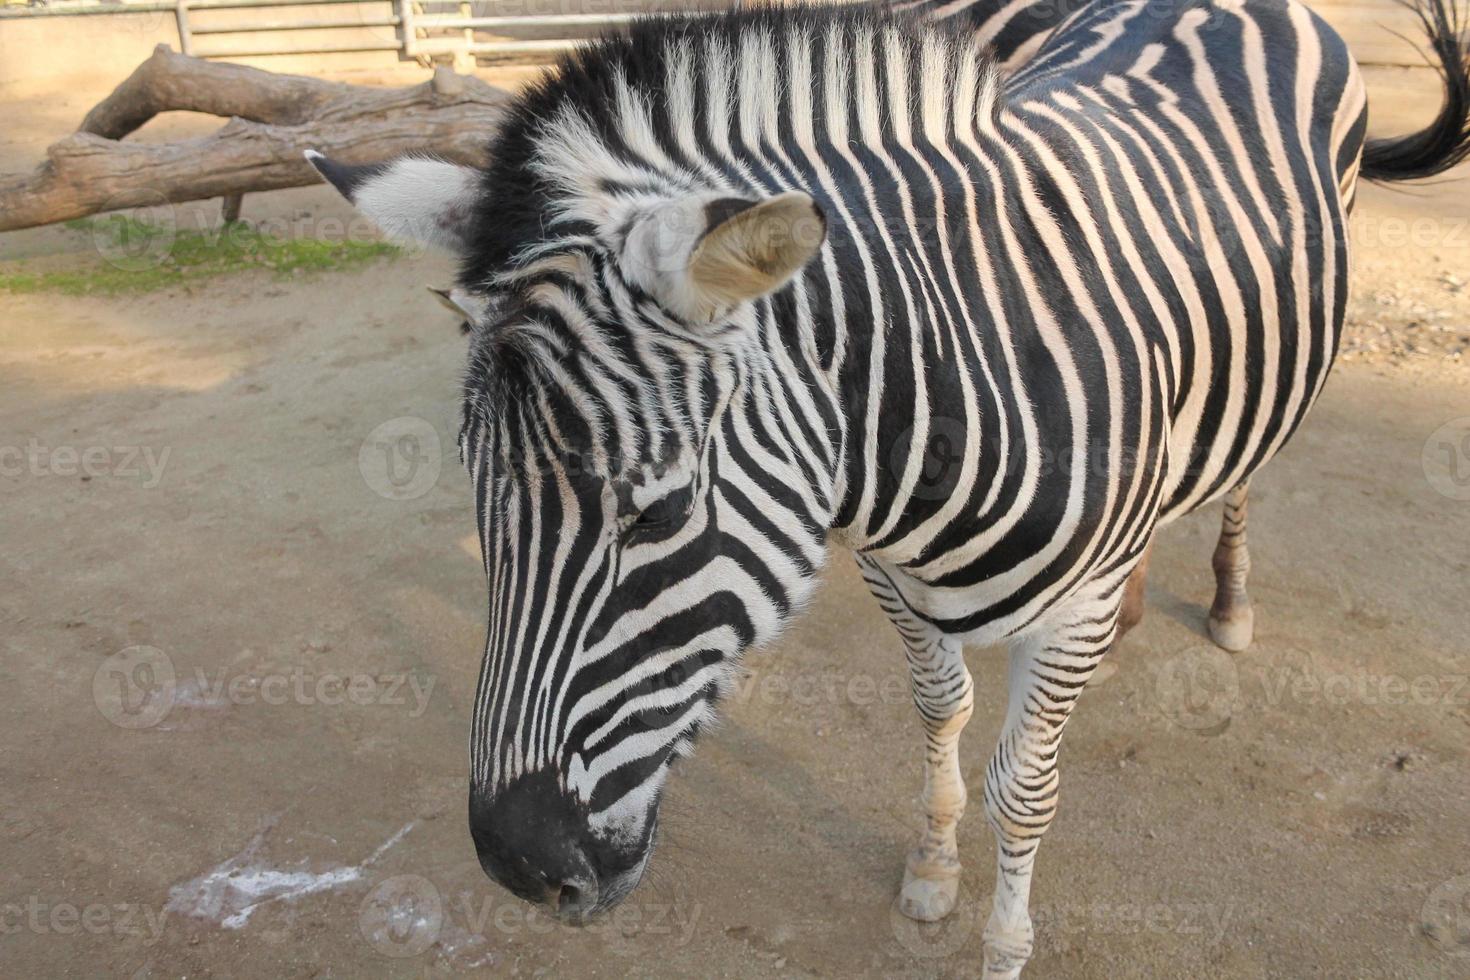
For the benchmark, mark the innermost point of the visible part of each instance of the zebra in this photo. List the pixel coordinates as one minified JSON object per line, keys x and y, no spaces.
{"x":1013,"y":29}
{"x":735,"y":278}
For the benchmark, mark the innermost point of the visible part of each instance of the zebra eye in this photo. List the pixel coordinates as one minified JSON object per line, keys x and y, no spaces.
{"x":668,"y":510}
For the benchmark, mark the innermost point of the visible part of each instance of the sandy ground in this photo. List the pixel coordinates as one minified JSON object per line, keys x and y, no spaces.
{"x":240,"y":653}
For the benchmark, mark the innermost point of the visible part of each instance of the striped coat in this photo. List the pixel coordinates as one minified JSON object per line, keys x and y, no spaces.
{"x":744,"y":283}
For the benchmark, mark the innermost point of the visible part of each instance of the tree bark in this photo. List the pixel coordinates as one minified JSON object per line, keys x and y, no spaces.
{"x":273,"y":119}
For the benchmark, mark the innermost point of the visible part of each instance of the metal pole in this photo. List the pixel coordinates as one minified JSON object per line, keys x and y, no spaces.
{"x":181,"y":15}
{"x":406,"y":29}
{"x":230,"y":207}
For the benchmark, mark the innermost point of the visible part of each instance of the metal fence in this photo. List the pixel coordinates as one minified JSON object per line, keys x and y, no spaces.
{"x":300,"y":16}
{"x":421,"y":30}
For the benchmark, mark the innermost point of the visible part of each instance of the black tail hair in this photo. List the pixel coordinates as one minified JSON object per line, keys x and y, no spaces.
{"x":1446,"y":141}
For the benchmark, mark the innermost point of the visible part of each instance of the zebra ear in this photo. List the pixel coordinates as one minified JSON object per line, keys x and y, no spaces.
{"x":701,"y":259}
{"x":411,"y":199}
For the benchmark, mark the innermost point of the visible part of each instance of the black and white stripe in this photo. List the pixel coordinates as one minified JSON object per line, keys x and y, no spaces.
{"x":1011,"y":29}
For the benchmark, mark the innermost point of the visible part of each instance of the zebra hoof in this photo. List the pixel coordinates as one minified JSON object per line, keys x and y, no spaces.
{"x":927,"y":899}
{"x":1233,"y":634}
{"x":1006,"y":952}
{"x":1000,"y":966}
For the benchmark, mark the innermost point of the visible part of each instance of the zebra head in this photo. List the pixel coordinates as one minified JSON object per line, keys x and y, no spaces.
{"x":633,"y":546}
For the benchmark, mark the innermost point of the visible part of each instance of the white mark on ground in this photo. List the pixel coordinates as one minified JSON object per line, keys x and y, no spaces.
{"x":194,"y":692}
{"x":231,"y":892}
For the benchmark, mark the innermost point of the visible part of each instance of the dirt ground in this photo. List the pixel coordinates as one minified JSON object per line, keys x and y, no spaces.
{"x":242,"y":614}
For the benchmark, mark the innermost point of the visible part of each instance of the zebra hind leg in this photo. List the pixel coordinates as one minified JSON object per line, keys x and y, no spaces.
{"x":1232,"y":622}
{"x":945,"y":697}
{"x":1048,"y":670}
{"x":1133,"y":593}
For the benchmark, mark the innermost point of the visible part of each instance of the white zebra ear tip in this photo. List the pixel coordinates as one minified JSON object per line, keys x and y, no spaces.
{"x":814,"y":213}
{"x":798,"y":199}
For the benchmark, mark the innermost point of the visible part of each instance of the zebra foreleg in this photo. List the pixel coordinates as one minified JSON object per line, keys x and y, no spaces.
{"x":945,"y":697}
{"x":1048,"y":670}
{"x":1232,"y":622}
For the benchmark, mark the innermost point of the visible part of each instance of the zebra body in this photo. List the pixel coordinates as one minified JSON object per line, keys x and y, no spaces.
{"x":750,"y":281}
{"x":1120,"y":284}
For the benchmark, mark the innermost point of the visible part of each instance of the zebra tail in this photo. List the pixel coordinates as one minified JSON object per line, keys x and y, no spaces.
{"x":1446,"y":141}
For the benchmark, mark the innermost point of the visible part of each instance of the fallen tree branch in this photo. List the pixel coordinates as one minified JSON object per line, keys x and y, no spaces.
{"x":273,"y":119}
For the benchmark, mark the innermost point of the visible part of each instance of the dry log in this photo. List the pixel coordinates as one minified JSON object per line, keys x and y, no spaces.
{"x":274,"y":118}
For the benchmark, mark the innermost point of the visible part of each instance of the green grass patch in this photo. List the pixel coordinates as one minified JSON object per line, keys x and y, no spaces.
{"x":135,"y":256}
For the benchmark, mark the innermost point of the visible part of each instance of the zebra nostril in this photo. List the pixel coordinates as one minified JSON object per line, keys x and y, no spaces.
{"x":572,"y":900}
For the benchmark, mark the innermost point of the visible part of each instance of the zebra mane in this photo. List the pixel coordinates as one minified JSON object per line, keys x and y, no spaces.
{"x":723,"y":103}
{"x":632,"y":92}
